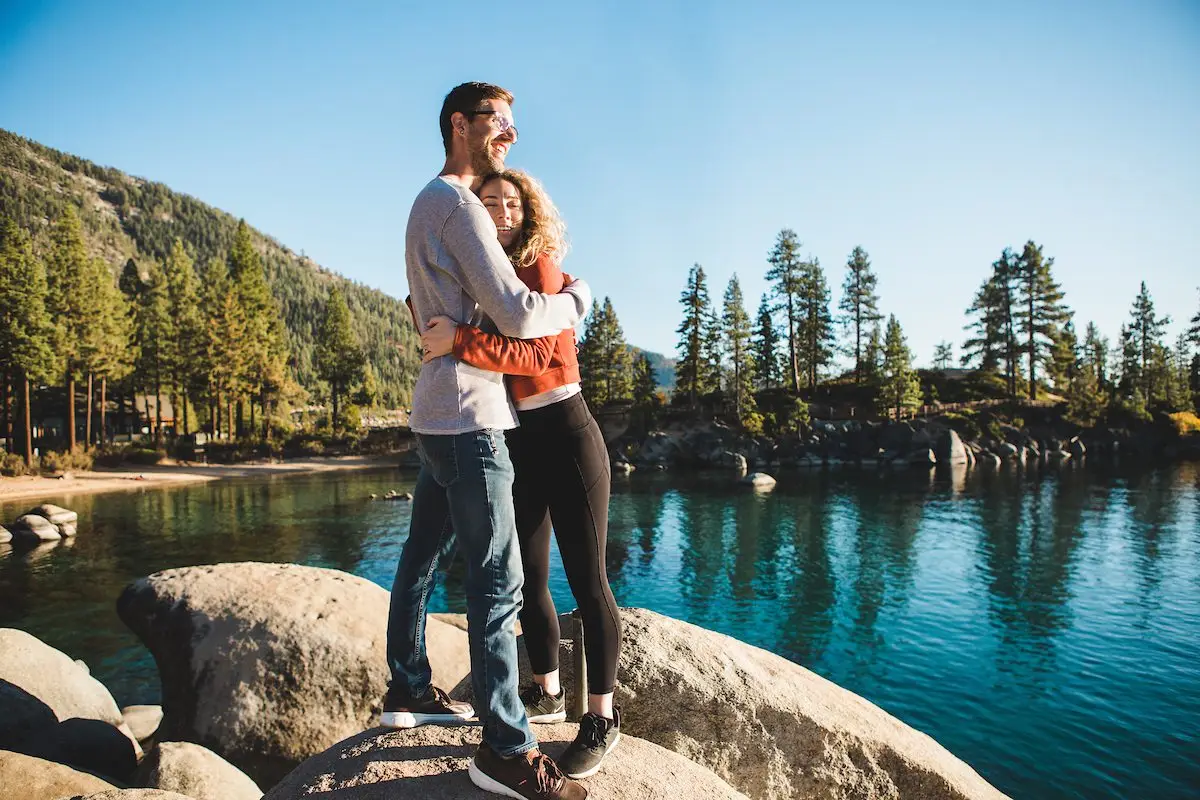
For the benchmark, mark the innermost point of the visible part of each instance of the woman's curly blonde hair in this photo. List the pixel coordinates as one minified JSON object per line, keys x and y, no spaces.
{"x":543,"y":230}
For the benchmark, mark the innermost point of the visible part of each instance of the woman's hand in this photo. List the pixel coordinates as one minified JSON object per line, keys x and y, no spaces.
{"x":438,"y":338}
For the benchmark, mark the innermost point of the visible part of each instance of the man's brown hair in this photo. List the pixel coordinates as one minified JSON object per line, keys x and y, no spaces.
{"x":465,"y":98}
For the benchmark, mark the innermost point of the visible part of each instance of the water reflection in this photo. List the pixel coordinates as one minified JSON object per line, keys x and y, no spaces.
{"x":1040,"y":622}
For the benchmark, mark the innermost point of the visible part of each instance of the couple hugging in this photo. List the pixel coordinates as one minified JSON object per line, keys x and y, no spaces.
{"x":483,"y":251}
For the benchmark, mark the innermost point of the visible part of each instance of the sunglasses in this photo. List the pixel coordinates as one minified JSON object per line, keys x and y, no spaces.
{"x":503,"y":123}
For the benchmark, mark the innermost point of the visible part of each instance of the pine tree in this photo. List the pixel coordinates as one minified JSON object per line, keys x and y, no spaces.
{"x":695,"y":371}
{"x":26,"y":332}
{"x":860,"y":304}
{"x":899,"y":389}
{"x":1178,"y":389}
{"x":111,"y":352}
{"x":995,"y":341}
{"x":340,"y":359}
{"x":736,"y":336}
{"x":224,"y":329}
{"x":266,"y":352}
{"x":943,"y":356}
{"x":816,"y":322}
{"x":154,"y":331}
{"x":1040,"y":311}
{"x":188,"y":342}
{"x":786,"y":278}
{"x":69,"y":304}
{"x":1064,"y":357}
{"x":1193,"y":331}
{"x":873,"y":355}
{"x":605,"y":360}
{"x":645,"y":384}
{"x":1095,"y":355}
{"x":1142,"y":342}
{"x":766,"y":346}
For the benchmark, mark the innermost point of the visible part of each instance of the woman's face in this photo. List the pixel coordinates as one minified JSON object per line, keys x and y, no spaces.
{"x":503,"y":201}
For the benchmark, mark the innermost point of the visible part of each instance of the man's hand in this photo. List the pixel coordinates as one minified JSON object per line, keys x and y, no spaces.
{"x":438,"y":338}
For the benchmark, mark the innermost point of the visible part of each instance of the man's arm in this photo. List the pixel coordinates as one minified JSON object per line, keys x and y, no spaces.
{"x":469,"y":236}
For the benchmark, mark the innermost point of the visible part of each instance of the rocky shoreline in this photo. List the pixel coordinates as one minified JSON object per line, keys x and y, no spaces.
{"x":272,"y":675}
{"x":711,"y":444}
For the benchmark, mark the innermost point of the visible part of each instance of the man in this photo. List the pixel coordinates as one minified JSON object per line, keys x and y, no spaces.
{"x":457,"y":268}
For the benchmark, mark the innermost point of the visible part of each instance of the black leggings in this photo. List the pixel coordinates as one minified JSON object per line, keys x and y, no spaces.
{"x":563,"y":476}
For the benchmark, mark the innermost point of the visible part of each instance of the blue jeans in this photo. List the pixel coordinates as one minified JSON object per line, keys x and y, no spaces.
{"x":464,"y":489}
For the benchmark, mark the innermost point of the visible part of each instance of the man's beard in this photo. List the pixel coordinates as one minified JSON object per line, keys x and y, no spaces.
{"x":484,"y":161}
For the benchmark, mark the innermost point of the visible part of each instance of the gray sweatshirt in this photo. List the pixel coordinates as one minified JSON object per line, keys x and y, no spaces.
{"x":457,"y":268}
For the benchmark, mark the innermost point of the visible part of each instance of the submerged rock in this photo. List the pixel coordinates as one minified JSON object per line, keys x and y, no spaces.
{"x":759,"y":480}
{"x":268,"y":664}
{"x":430,"y":763}
{"x":62,"y":518}
{"x":5,"y":535}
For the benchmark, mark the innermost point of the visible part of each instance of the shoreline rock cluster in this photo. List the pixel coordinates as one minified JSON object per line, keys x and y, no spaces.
{"x":45,"y":523}
{"x":272,"y":675}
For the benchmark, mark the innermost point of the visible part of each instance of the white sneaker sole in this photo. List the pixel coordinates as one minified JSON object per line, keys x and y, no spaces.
{"x":590,"y":772}
{"x":557,"y":716}
{"x":408,"y":719}
{"x":490,"y":784}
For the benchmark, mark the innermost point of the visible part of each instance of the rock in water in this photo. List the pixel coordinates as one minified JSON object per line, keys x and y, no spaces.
{"x":54,"y":709}
{"x":950,"y":448}
{"x":771,"y":728}
{"x":196,"y":772}
{"x":31,"y":529}
{"x":759,"y":480}
{"x":62,"y":518}
{"x":5,"y":535}
{"x":24,"y":777}
{"x":268,"y":664}
{"x":430,"y":763}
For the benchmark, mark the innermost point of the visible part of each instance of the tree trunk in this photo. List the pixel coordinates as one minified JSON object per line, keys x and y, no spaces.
{"x":252,"y":425}
{"x":4,"y":408}
{"x":103,"y":409}
{"x":70,"y":413}
{"x":1032,"y":350}
{"x":91,"y":400}
{"x":229,"y":418}
{"x":334,"y":392}
{"x":241,"y":417}
{"x":266,"y":419}
{"x":792,"y":346}
{"x":157,"y":413}
{"x":28,"y":424}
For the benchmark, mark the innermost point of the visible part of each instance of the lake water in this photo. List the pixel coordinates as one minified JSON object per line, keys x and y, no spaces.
{"x":1041,"y":625}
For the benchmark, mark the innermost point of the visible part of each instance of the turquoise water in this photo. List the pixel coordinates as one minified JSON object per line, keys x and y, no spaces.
{"x":1043,"y":626}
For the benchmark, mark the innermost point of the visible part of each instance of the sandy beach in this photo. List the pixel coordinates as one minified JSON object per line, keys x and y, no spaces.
{"x":130,"y":478}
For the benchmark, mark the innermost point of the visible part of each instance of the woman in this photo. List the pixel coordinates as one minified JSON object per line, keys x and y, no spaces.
{"x":562,"y":471}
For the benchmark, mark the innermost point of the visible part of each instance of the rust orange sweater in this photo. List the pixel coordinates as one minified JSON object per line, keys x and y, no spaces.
{"x":531,"y":366}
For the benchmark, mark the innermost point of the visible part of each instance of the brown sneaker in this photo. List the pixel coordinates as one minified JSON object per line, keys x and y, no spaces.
{"x":434,"y":707}
{"x":532,"y":775}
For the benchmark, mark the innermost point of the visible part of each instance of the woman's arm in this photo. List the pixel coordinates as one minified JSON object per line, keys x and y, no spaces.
{"x":490,"y":351}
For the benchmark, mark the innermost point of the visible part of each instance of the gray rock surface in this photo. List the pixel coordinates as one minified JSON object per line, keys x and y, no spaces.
{"x":268,"y":664}
{"x":194,"y":771}
{"x":24,"y":777}
{"x":143,"y":721}
{"x":950,"y":448}
{"x":431,"y":763}
{"x":771,"y":728}
{"x":31,"y":529}
{"x":5,"y":535}
{"x":759,"y":480}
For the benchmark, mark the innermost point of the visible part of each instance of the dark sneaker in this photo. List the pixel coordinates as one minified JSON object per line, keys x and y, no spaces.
{"x":596,"y":738}
{"x":543,"y":707}
{"x":434,"y":707}
{"x":532,"y":775}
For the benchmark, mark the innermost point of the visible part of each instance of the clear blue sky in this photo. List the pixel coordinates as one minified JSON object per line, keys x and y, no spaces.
{"x":932,"y":134}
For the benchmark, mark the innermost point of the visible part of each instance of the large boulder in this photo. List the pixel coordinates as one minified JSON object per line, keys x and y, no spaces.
{"x":32,"y":529}
{"x":950,"y":448}
{"x":194,"y":771}
{"x":54,"y":709}
{"x":268,"y":664}
{"x":62,"y":518}
{"x":771,"y":728}
{"x":430,"y":763}
{"x":143,"y":721}
{"x":24,"y":777}
{"x":5,"y":535}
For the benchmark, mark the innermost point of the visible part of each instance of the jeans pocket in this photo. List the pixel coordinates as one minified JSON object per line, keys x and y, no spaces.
{"x":439,"y":457}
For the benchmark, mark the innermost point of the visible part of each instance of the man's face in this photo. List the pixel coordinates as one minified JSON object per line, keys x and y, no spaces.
{"x":487,"y":145}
